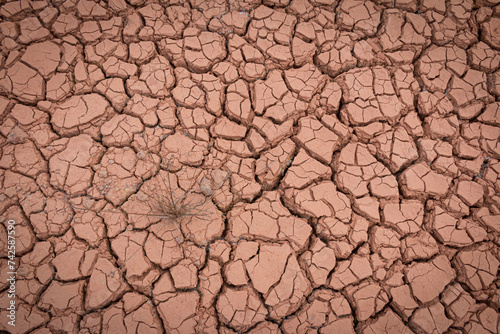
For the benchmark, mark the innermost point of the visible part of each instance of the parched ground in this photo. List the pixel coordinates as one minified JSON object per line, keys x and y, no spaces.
{"x":260,"y":166}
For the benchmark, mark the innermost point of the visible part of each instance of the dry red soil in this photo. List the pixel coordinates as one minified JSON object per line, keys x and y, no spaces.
{"x":334,"y":166}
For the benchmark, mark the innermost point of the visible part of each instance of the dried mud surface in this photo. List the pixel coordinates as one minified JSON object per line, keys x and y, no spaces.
{"x":342,"y":158}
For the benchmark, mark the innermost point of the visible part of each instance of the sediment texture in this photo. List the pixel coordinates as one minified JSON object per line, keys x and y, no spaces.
{"x":339,"y":162}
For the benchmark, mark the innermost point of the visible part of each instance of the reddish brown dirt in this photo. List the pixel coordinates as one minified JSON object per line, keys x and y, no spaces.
{"x":337,"y":163}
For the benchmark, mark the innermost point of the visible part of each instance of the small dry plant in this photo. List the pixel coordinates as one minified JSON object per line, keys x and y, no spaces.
{"x":172,"y":202}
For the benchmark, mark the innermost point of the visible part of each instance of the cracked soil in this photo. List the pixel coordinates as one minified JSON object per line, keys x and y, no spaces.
{"x":256,"y":166}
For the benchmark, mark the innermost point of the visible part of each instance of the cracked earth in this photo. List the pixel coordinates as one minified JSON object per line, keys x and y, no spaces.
{"x":342,"y":159}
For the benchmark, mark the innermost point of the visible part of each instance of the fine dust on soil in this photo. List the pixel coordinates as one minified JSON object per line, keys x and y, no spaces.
{"x":341,"y":159}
